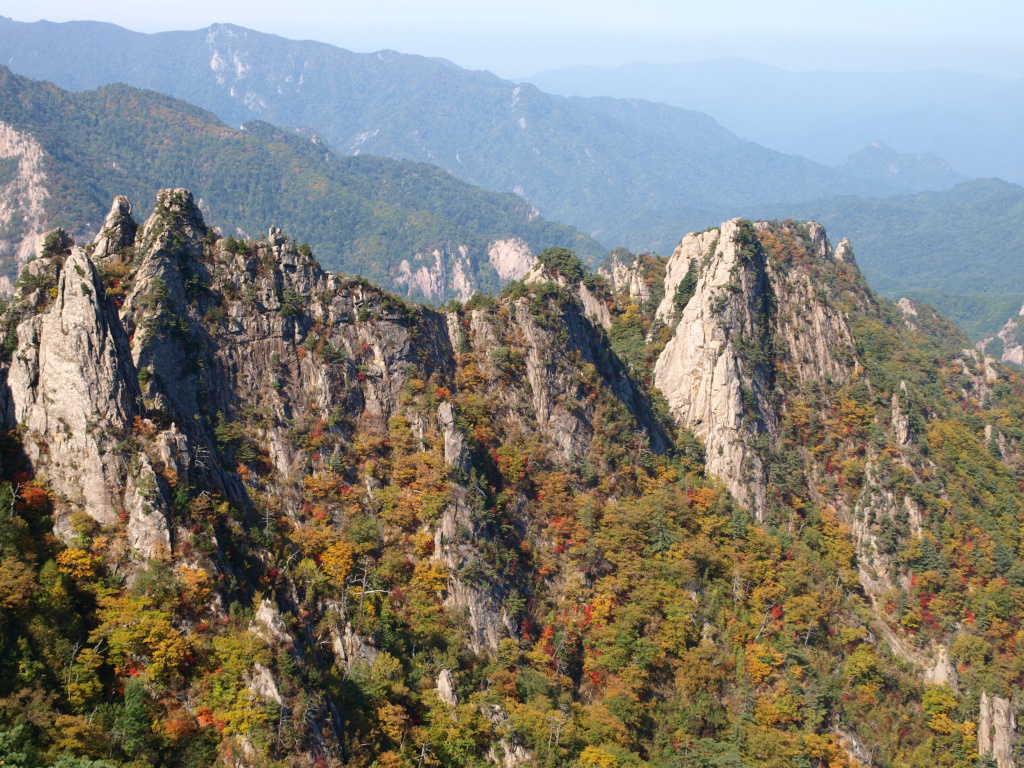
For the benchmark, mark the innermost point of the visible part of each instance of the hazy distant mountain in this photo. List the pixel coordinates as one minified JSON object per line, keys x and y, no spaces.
{"x":979,"y":134}
{"x":630,"y":171}
{"x":587,"y":163}
{"x":411,"y":226}
{"x":972,"y":121}
{"x":879,"y":161}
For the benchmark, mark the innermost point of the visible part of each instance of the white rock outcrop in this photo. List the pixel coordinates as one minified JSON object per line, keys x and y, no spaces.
{"x":694,"y":247}
{"x":595,"y":307}
{"x":630,"y":278}
{"x":940,"y":669}
{"x":997,"y":729}
{"x":70,"y":386}
{"x":446,"y":688}
{"x":510,"y":257}
{"x":699,"y":369}
{"x":262,"y":684}
{"x":1010,"y":338}
{"x":437,"y":274}
{"x":23,"y":196}
{"x":749,"y":320}
{"x":149,"y":532}
{"x":118,"y":230}
{"x":454,"y":443}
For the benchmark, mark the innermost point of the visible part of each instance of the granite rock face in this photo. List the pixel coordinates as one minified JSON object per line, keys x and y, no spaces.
{"x":631,"y":278}
{"x":511,"y":258}
{"x":997,"y":729}
{"x":450,"y":272}
{"x":164,"y":376}
{"x":1008,"y":344}
{"x":117,"y":233}
{"x":72,"y":385}
{"x":758,"y":349}
{"x":133,"y":357}
{"x":23,"y":199}
{"x":750,"y":317}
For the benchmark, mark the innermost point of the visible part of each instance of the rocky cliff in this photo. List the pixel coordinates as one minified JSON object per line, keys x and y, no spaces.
{"x":71,"y":382}
{"x":162,"y":375}
{"x":281,"y":515}
{"x":1007,"y":344}
{"x":768,"y":365}
{"x":444,"y":273}
{"x":753,"y":319}
{"x":23,"y":194}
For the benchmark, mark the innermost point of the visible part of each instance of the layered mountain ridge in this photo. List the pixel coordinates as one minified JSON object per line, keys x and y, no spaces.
{"x":731,"y":508}
{"x":410,"y":226}
{"x":964,"y":117}
{"x":585,"y":162}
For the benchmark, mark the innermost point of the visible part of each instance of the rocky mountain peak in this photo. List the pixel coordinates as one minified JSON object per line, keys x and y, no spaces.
{"x":176,"y":220}
{"x":118,"y":230}
{"x":562,"y":267}
{"x":71,"y":382}
{"x":763,"y":309}
{"x":628,"y":273}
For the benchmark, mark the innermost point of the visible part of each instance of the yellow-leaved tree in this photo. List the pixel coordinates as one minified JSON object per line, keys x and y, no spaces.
{"x":140,"y":638}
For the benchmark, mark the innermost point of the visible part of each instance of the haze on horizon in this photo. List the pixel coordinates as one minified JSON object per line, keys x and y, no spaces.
{"x":521,"y":39}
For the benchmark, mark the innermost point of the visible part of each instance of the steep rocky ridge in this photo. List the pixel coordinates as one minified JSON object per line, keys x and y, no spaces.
{"x":674,"y":155}
{"x":780,"y":345}
{"x":750,"y":321}
{"x":637,"y":276}
{"x":70,"y":382}
{"x":300,"y":519}
{"x":164,"y":375}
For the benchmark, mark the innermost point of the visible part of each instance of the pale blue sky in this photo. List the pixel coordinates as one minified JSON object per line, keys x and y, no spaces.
{"x":525,"y":36}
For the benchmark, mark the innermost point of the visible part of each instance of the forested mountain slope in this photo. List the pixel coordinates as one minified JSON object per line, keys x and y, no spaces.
{"x":589,"y":163}
{"x":916,"y":171}
{"x":728,"y":509}
{"x":960,"y":250}
{"x":410,"y":226}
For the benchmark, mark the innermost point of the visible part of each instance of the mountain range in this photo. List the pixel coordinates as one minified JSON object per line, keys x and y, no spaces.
{"x":330,"y":458}
{"x":585,"y":162}
{"x":408,"y":225}
{"x":629,"y":172}
{"x":970,"y":120}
